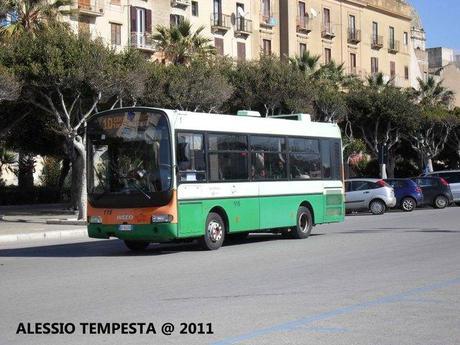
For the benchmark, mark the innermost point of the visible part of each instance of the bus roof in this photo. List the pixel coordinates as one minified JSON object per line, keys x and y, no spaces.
{"x":249,"y":124}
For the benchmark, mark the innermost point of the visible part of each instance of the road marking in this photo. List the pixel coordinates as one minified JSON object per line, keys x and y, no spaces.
{"x":299,"y":323}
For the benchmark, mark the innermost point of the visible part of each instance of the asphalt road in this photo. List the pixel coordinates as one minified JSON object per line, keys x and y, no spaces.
{"x":392,"y":279}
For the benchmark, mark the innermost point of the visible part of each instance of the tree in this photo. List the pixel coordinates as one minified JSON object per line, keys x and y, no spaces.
{"x":382,"y":117}
{"x":29,"y":16}
{"x":65,"y":76}
{"x":454,"y":140}
{"x":180,"y":45}
{"x":10,"y":87}
{"x":271,"y":87}
{"x":430,"y":135}
{"x":198,"y":86}
{"x":432,"y":93}
{"x":306,"y":62}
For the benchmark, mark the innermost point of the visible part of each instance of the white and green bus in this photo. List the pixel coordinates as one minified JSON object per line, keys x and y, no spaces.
{"x":159,"y":175}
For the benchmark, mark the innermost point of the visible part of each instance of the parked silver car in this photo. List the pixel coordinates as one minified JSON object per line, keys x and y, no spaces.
{"x":453,"y":179}
{"x":370,"y":194}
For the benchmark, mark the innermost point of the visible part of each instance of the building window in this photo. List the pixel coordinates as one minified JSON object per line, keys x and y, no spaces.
{"x":219,"y":44}
{"x":392,"y":69}
{"x":327,"y":55}
{"x":302,"y":49}
{"x":374,"y":65}
{"x":406,"y":72}
{"x":141,"y":26}
{"x":303,"y":16}
{"x":267,"y":47}
{"x":266,"y":8}
{"x":353,"y":63}
{"x":175,"y":19}
{"x":115,"y":2}
{"x":241,"y":51}
{"x":392,"y":37}
{"x":327,"y":20}
{"x":352,"y":25}
{"x":406,"y":39}
{"x":195,"y":8}
{"x":375,"y":32}
{"x":115,"y":34}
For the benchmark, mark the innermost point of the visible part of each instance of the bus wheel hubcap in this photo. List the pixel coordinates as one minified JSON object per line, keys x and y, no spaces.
{"x":215,"y":231}
{"x":303,"y":222}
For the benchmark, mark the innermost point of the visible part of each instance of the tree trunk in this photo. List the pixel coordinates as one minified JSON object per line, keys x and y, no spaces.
{"x":428,"y":165}
{"x":383,"y":171}
{"x":64,"y":172}
{"x":74,"y":184}
{"x":26,"y":169}
{"x":391,"y":166}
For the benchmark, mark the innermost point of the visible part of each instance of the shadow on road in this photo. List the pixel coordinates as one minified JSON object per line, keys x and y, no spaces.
{"x":113,"y":248}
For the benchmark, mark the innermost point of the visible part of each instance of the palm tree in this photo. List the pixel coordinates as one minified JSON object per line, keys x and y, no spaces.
{"x":180,"y":44}
{"x":306,"y":62}
{"x":28,"y":15}
{"x":431,"y":93}
{"x":377,"y":81}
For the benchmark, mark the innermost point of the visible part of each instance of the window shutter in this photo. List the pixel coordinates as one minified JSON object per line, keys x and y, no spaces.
{"x":241,"y":50}
{"x":133,"y":19}
{"x":219,"y":44}
{"x":148,"y":21}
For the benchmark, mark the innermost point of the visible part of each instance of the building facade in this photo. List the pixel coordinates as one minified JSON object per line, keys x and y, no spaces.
{"x":367,"y":36}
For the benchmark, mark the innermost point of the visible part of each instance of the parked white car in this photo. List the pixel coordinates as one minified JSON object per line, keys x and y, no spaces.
{"x":453,"y":179}
{"x":374,"y":195}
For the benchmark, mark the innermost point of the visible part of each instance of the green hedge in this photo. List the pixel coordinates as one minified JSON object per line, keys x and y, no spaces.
{"x":13,"y":195}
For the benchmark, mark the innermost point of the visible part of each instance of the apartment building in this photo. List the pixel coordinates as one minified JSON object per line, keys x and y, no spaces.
{"x":368,"y":36}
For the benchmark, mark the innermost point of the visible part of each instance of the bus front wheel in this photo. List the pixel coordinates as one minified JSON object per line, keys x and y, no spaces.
{"x":214,"y":232}
{"x":304,"y":223}
{"x":137,"y":246}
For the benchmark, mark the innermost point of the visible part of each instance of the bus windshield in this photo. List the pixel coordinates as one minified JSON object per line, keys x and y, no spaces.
{"x":129,"y":155}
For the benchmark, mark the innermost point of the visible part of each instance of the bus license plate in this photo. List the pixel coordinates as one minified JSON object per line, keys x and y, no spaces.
{"x":125,"y":227}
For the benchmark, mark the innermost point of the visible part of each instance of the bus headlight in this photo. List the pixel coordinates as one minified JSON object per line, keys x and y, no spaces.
{"x":95,"y":220}
{"x":162,"y":218}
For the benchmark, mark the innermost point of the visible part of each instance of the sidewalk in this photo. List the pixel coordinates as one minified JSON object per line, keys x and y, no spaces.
{"x":39,"y":222}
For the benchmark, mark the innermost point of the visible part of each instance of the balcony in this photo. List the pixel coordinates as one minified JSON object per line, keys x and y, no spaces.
{"x":94,"y":8}
{"x":220,"y":22}
{"x":267,"y":21}
{"x":327,"y":31}
{"x":376,"y":42}
{"x":180,"y":3}
{"x":142,"y":41}
{"x":303,"y":25}
{"x":393,"y":46}
{"x":354,"y":36}
{"x":243,"y":27}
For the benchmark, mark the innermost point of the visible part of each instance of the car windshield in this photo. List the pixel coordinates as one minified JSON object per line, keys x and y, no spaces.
{"x":129,"y":153}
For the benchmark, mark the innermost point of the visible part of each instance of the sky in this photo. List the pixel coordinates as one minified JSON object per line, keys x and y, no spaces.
{"x":441,"y":20}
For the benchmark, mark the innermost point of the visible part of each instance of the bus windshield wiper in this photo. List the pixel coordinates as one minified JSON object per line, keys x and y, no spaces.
{"x":136,"y":186}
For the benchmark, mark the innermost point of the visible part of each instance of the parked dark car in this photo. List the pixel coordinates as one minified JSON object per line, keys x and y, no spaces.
{"x":453,"y":178}
{"x":408,"y":194}
{"x":436,"y":191}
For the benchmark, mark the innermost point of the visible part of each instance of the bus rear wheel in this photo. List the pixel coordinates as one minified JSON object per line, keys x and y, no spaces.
{"x":214,"y":232}
{"x":137,"y":246}
{"x":304,"y":224}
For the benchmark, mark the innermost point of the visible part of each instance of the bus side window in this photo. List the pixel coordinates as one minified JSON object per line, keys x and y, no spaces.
{"x":191,"y":157}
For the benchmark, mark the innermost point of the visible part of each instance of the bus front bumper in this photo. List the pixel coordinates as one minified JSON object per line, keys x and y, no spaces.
{"x":161,"y":232}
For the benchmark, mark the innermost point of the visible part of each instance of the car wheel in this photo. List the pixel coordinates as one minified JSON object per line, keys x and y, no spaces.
{"x":441,"y":202}
{"x":214,"y":232}
{"x":408,"y":204}
{"x":377,"y":207}
{"x":304,"y":224}
{"x":137,"y":246}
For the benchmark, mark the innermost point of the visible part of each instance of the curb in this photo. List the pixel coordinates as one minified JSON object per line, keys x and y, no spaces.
{"x":66,"y":222}
{"x":46,"y":235}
